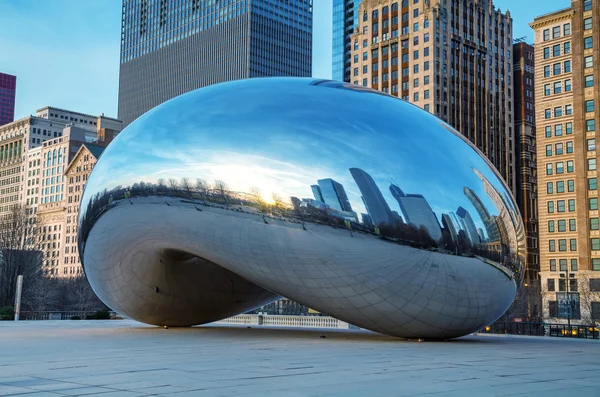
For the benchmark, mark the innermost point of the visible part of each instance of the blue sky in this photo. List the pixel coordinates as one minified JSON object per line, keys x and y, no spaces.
{"x":65,"y":53}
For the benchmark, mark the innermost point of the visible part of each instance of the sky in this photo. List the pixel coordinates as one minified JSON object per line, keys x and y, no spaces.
{"x":65,"y":53}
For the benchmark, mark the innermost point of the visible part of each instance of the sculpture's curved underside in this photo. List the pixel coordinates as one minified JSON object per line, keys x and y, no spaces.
{"x":344,"y":199}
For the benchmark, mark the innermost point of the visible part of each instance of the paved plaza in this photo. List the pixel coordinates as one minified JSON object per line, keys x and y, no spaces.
{"x":126,"y":358}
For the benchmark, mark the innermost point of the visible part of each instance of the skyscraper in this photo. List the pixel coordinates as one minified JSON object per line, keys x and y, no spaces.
{"x":566,"y":93}
{"x":451,"y":58}
{"x":525,"y":151}
{"x":468,"y":225}
{"x":345,"y":21}
{"x":334,"y":195}
{"x":317,"y":193}
{"x":172,"y":47}
{"x":8,"y":88}
{"x":488,"y":221}
{"x":378,"y":209}
{"x":416,"y":210}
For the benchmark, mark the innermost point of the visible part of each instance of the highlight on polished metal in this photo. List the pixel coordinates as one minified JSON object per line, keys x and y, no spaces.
{"x":344,"y":199}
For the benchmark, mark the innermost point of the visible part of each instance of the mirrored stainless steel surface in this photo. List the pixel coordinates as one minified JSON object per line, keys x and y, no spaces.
{"x":350,"y":201}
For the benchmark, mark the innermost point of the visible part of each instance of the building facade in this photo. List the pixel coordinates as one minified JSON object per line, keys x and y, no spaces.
{"x":8,"y":90}
{"x":525,"y":151}
{"x":344,"y":23}
{"x":452,"y":58}
{"x":566,"y":69}
{"x":169,"y":48}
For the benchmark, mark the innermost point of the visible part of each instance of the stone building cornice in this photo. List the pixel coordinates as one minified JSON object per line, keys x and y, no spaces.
{"x":549,"y":19}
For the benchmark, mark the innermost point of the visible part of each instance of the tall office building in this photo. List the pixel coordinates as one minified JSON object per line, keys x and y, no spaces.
{"x":451,"y":58}
{"x":378,"y":209}
{"x":344,"y":22}
{"x":468,"y":225}
{"x":526,"y":155}
{"x":8,"y":89}
{"x":172,"y":47}
{"x":334,"y":194}
{"x":566,"y":92}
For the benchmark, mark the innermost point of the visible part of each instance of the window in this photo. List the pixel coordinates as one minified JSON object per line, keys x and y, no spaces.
{"x":556,"y":69}
{"x":596,"y":264}
{"x":549,"y":188}
{"x":416,"y":96}
{"x":572,"y":225}
{"x":562,"y":245}
{"x":550,"y":226}
{"x":560,"y":206}
{"x":547,"y":90}
{"x":558,"y":130}
{"x":591,"y":144}
{"x":426,"y":80}
{"x":568,"y":86}
{"x":548,"y":150}
{"x":549,"y":169}
{"x":566,"y":29}
{"x":590,"y":125}
{"x":596,"y":244}
{"x":570,"y":185}
{"x":589,"y":106}
{"x":556,"y":50}
{"x":552,"y":265}
{"x":558,"y":148}
{"x":589,"y":80}
{"x":546,"y":34}
{"x":568,"y":109}
{"x":587,"y":5}
{"x":552,"y":245}
{"x":560,"y":167}
{"x":567,"y":67}
{"x":551,"y":286}
{"x":570,"y":167}
{"x":587,"y":23}
{"x":569,"y":128}
{"x":572,"y":205}
{"x":594,"y":225}
{"x":562,"y":265}
{"x":548,"y":131}
{"x":589,"y":62}
{"x":591,"y":163}
{"x":592,"y":184}
{"x":548,"y":113}
{"x":546,"y":52}
{"x":558,"y":112}
{"x":550,"y":207}
{"x":587,"y":42}
{"x":547,"y":71}
{"x":567,"y":46}
{"x":560,"y":187}
{"x":569,"y":147}
{"x":557,"y":87}
{"x":574,"y":265}
{"x":593,"y":203}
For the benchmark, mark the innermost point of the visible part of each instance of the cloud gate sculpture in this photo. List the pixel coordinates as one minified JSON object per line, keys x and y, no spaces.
{"x":344,"y":199}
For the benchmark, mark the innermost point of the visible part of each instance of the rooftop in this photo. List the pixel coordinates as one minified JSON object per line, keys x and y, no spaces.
{"x":125,"y":358}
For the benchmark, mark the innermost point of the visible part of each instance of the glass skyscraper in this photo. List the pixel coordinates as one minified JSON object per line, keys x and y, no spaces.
{"x":345,"y":20}
{"x":334,"y":194}
{"x":8,"y":87}
{"x":169,"y":47}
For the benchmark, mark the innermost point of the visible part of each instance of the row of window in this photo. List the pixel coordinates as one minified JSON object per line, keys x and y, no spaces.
{"x":556,"y":50}
{"x":560,"y":225}
{"x":559,"y":148}
{"x":562,"y":245}
{"x":563,"y":265}
{"x":560,"y":205}
{"x":559,"y":167}
{"x":566,"y":29}
{"x":558,"y":111}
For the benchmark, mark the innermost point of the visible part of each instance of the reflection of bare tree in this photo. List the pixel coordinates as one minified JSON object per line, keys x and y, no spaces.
{"x":162,"y":186}
{"x":203,"y":188}
{"x":526,"y":305}
{"x":173,"y":185}
{"x":589,"y":298}
{"x":257,"y":198}
{"x":186,"y":186}
{"x":278,"y":202}
{"x":221,"y":190}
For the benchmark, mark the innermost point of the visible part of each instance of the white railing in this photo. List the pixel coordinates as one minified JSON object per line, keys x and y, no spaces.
{"x":286,"y":321}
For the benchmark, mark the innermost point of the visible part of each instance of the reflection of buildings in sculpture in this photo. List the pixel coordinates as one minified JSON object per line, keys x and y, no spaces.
{"x":397,"y":218}
{"x":378,"y":209}
{"x":295,"y":202}
{"x":468,"y":225}
{"x":504,"y":220}
{"x":334,"y":194}
{"x":481,"y":235}
{"x":366,"y":220}
{"x":416,"y":210}
{"x":317,"y":193}
{"x":488,"y":222}
{"x":449,"y":226}
{"x":310,"y":203}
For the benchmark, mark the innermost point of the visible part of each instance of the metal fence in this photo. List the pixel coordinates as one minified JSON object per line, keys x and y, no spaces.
{"x":543,"y":329}
{"x":59,"y":315}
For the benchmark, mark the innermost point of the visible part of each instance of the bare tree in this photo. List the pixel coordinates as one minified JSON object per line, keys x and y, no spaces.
{"x":19,"y":253}
{"x":589,"y":298}
{"x":203,"y":188}
{"x":257,"y":198}
{"x":173,"y":185}
{"x":162,"y":186}
{"x":186,"y":186}
{"x":221,"y":190}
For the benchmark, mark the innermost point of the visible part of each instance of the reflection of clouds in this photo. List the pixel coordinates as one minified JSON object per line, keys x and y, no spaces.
{"x":283,"y":141}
